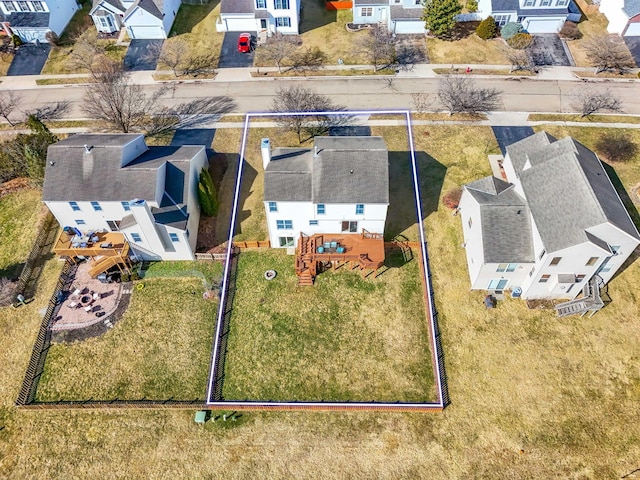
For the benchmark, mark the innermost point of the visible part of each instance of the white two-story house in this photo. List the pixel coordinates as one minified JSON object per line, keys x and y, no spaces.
{"x":623,"y":16}
{"x":115,"y":183}
{"x":553,"y":225}
{"x":271,"y":16}
{"x":536,"y":16}
{"x":341,"y":185}
{"x":32,"y":19}
{"x":143,"y":19}
{"x":400,"y":16}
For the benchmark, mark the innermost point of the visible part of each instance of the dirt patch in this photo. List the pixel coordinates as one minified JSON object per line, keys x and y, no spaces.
{"x":207,"y":238}
{"x":13,"y":186}
{"x":541,"y":304}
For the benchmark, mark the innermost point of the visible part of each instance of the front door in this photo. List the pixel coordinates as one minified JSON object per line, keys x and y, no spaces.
{"x":263,"y":23}
{"x":113,"y":225}
{"x":351,"y":227}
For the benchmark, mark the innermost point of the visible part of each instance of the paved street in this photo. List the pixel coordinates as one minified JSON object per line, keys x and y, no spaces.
{"x":519,"y":94}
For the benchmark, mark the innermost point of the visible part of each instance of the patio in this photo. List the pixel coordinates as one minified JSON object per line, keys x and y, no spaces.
{"x":86,"y":301}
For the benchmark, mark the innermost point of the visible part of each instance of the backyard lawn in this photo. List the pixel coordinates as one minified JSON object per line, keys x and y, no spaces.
{"x":344,"y":339}
{"x":160,"y":349}
{"x":533,"y":396}
{"x":468,"y":50}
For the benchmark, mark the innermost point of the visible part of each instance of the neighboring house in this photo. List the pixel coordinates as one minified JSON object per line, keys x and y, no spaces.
{"x":400,"y":16}
{"x":32,"y":19}
{"x":114,"y":182}
{"x":623,"y":16}
{"x":143,"y":19}
{"x":555,"y":224}
{"x":536,"y":16}
{"x":341,"y":185}
{"x":281,"y":16}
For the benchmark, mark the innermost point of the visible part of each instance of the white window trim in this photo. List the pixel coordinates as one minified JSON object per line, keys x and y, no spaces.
{"x":366,"y":11}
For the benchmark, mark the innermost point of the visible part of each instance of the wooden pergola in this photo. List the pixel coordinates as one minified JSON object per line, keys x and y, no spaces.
{"x":318,"y":252}
{"x":104,"y":249}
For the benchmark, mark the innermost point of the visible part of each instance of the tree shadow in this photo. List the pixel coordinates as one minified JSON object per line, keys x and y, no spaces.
{"x":249,"y":174}
{"x":12,"y":272}
{"x":191,"y":15}
{"x":402,"y":205}
{"x":624,"y":196}
{"x":461,"y":30}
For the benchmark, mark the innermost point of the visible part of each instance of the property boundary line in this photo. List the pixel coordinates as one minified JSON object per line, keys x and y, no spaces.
{"x":216,"y":376}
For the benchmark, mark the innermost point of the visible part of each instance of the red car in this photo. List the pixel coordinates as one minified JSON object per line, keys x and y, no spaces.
{"x":244,"y":43}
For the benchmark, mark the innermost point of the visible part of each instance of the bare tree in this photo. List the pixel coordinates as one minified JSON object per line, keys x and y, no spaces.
{"x":87,"y":54}
{"x":116,"y":100}
{"x":8,"y":103}
{"x":300,"y":99}
{"x":462,"y":95}
{"x":172,"y":54}
{"x":520,"y":60}
{"x":379,"y":46}
{"x":187,"y":114}
{"x":278,"y":48}
{"x":608,"y":52}
{"x":589,"y":101}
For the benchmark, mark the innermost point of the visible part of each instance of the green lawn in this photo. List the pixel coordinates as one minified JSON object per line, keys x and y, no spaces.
{"x":19,"y":217}
{"x":160,"y":348}
{"x":344,"y":339}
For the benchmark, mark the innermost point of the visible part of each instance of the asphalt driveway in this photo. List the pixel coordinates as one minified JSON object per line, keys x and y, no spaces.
{"x":547,"y":49}
{"x":633,"y":44}
{"x":229,"y":55}
{"x":29,"y":59}
{"x":508,"y":135}
{"x":142,"y":55}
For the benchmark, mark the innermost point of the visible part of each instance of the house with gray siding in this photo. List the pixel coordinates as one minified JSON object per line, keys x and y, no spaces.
{"x":400,"y":16}
{"x":551,"y":226}
{"x":270,"y":16}
{"x":31,"y":20}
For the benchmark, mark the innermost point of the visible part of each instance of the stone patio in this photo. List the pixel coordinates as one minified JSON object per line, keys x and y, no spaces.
{"x":86,"y":301}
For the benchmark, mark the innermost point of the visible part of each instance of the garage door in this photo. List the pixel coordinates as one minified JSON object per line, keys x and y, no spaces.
{"x":241,"y":25}
{"x":543,"y":26}
{"x":146,"y":32}
{"x":633,"y":30}
{"x":409,"y":26}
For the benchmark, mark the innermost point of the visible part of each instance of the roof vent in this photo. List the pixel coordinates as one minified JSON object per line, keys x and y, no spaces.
{"x":87,"y":148}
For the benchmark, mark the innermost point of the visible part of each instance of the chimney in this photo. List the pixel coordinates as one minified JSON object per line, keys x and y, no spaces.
{"x":265,"y":148}
{"x":87,"y":148}
{"x":315,"y":151}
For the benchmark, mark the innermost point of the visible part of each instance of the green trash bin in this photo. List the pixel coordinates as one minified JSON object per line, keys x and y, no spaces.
{"x":201,"y":416}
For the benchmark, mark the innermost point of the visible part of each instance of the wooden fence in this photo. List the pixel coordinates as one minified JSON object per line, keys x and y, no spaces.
{"x":211,"y":256}
{"x":252,"y":244}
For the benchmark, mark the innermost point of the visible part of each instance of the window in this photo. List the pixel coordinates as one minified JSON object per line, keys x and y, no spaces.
{"x":80,"y":222}
{"x":541,"y":254}
{"x":497,"y":284}
{"x":580,"y":278}
{"x":283,"y":22}
{"x":529,"y":3}
{"x":501,"y":20}
{"x":591,"y":262}
{"x":261,"y":3}
{"x":281,"y":4}
{"x":351,"y":227}
{"x":360,"y":209}
{"x":320,"y":209}
{"x":113,"y":225}
{"x":313,"y":222}
{"x":96,"y":206}
{"x":418,"y":2}
{"x":136,"y":237}
{"x":174,"y":237}
{"x":37,"y":6}
{"x":9,"y":6}
{"x":74,"y":206}
{"x":555,"y":261}
{"x":366,"y":12}
{"x":606,"y":266}
{"x":285,"y":241}
{"x":544,"y":278}
{"x":284,"y":224}
{"x":507,"y":267}
{"x":562,"y":3}
{"x":273,"y":207}
{"x":24,"y":6}
{"x":106,"y":22}
{"x":615,"y":249}
{"x":545,"y":3}
{"x":126,"y":206}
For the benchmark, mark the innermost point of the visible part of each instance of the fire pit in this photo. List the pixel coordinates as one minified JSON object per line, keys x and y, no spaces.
{"x":85,"y":299}
{"x":270,"y":274}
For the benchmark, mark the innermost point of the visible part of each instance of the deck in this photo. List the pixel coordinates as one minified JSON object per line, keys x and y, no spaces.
{"x":364,"y":251}
{"x":105,"y":249}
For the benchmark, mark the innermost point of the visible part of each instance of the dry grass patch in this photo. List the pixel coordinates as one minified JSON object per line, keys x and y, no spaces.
{"x":159,"y":349}
{"x":593,"y":23}
{"x":64,"y":81}
{"x":468,"y":50}
{"x":485,"y":71}
{"x":568,"y":117}
{"x":344,"y":339}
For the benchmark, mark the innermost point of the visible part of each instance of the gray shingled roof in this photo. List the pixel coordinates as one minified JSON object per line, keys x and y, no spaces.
{"x":631,"y":7}
{"x":237,"y":6}
{"x":345,"y":170}
{"x":505,"y":221}
{"x":116,"y":4}
{"x":514,"y":6}
{"x":567,"y":189}
{"x":361,"y":3}
{"x":29,"y":19}
{"x":399,"y":12}
{"x":154,"y":7}
{"x":97,"y":176}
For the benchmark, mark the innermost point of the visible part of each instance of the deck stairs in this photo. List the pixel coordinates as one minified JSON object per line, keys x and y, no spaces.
{"x":589,"y":302}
